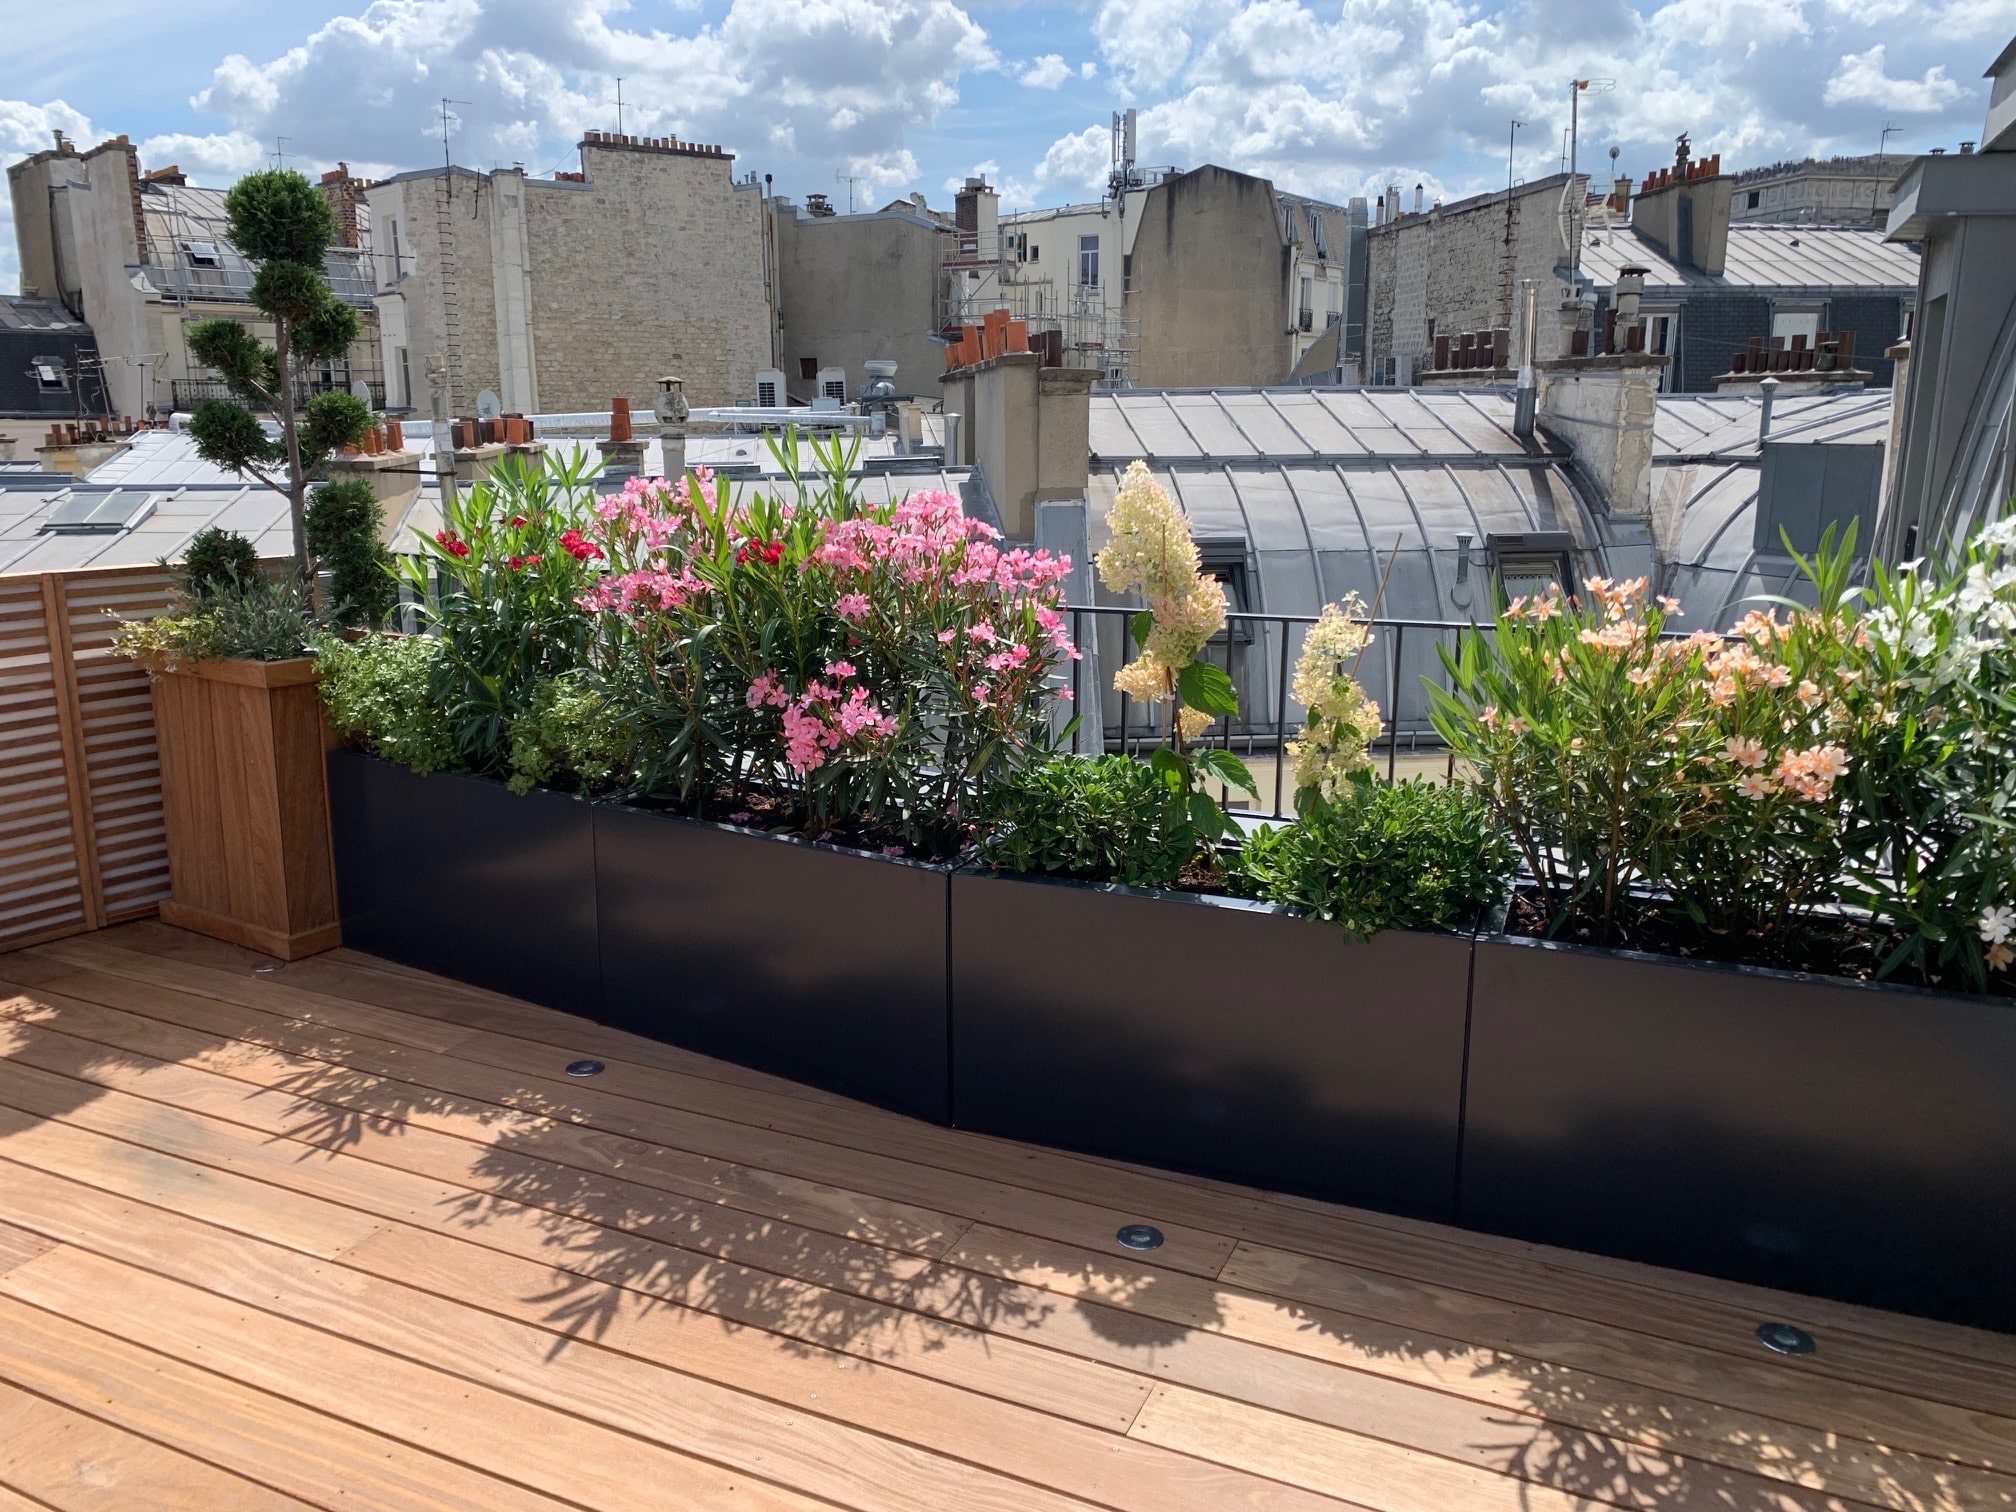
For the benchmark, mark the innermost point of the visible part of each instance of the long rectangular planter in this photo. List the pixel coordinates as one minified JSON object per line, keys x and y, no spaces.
{"x":460,"y":876}
{"x":820,"y":964}
{"x":1209,"y":1035}
{"x":244,"y":803}
{"x":1824,"y":1136}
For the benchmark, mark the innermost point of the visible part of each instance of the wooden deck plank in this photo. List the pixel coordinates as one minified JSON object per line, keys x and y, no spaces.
{"x":1373,"y":1404}
{"x":315,"y":1061}
{"x":1704,"y":1367}
{"x":815,"y":1303}
{"x":412,"y":1294}
{"x":554,"y":1452}
{"x":1869,"y":1345}
{"x":202,"y":1160}
{"x":323,"y":1461}
{"x":1656,"y":1413}
{"x":79,"y":1464}
{"x":891,"y":1156}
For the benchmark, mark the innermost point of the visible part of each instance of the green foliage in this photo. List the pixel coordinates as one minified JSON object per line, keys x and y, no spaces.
{"x":331,"y":421}
{"x":379,"y":689}
{"x":289,"y":290}
{"x":232,"y":437}
{"x":573,"y":734}
{"x":216,"y":559}
{"x":240,"y":619}
{"x":344,"y":520}
{"x":1204,"y":686}
{"x":276,"y":215}
{"x":237,"y":356}
{"x":1406,"y":855}
{"x":1103,"y":819}
{"x":326,"y":331}
{"x":501,"y":592}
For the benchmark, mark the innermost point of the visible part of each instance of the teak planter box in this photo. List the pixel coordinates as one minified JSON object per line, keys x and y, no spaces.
{"x":461,"y":876}
{"x":1209,"y":1035}
{"x":813,"y":962}
{"x":1820,"y":1135}
{"x":245,"y":805}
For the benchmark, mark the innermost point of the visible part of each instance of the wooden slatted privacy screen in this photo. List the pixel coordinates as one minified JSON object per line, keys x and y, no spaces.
{"x":81,"y":837}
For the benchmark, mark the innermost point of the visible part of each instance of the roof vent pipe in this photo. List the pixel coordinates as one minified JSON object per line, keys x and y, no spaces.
{"x":1769,"y":388}
{"x":1526,"y":399}
{"x":1417,"y":199}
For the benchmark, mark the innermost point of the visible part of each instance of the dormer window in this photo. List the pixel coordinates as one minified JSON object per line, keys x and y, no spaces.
{"x":49,"y":374}
{"x":202,"y":254}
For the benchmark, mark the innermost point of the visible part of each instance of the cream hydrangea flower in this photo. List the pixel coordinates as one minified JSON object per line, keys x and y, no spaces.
{"x":1151,"y":554}
{"x":1342,"y":722}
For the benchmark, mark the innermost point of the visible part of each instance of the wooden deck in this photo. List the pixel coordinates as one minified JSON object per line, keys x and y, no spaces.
{"x":344,"y":1236}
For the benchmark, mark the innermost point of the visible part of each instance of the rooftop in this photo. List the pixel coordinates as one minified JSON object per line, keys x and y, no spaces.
{"x":1813,"y":257}
{"x":340,"y":1231}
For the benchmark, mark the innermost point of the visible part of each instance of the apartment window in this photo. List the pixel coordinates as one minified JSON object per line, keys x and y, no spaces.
{"x":1659,"y":335}
{"x":1755,"y":196}
{"x":405,"y":377}
{"x":49,"y":374}
{"x":202,"y":254}
{"x":1127,"y":269}
{"x":1035,"y":254}
{"x":392,"y":225}
{"x":1308,"y":305}
{"x":1790,"y":323}
{"x":1088,"y":261}
{"x":808,"y":369}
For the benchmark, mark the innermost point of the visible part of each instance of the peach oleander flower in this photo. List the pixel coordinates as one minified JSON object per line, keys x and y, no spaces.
{"x":1749,"y":753}
{"x":1755,"y":785}
{"x":1999,"y":957}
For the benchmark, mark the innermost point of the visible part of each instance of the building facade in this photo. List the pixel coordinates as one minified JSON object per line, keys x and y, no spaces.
{"x":559,"y":294}
{"x":140,"y":257}
{"x":852,"y":289}
{"x":1843,"y":191}
{"x":1953,"y":466}
{"x":1711,"y":284}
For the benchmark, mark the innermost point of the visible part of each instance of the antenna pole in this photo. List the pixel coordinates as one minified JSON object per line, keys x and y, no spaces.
{"x":619,"y":105}
{"x":1883,"y":142}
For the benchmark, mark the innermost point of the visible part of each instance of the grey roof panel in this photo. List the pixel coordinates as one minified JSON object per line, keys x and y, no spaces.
{"x":1766,"y":257}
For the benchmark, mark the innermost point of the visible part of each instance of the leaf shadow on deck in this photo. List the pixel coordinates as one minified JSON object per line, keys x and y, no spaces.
{"x":642,"y":1212}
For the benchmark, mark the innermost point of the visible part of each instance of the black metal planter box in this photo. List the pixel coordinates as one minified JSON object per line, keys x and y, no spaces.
{"x":1208,"y":1035}
{"x":1828,"y":1137}
{"x":820,"y":964}
{"x":460,"y":876}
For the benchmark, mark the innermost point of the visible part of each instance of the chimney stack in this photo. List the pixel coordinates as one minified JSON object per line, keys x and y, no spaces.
{"x":1417,"y":199}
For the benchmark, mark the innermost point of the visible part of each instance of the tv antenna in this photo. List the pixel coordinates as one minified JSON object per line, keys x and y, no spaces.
{"x":280,"y":151}
{"x":1883,"y":141}
{"x":850,"y":180}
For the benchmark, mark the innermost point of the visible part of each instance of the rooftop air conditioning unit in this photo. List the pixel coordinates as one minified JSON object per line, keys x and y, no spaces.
{"x":832,"y":387}
{"x":770,"y":392}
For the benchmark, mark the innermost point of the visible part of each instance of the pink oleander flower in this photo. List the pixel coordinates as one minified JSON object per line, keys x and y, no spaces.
{"x":767,"y":692}
{"x":946,"y":637}
{"x":1008,"y":660}
{"x":853,"y":606}
{"x":839,"y":669}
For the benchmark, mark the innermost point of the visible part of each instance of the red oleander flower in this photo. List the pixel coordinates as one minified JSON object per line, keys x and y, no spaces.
{"x":579,"y":546}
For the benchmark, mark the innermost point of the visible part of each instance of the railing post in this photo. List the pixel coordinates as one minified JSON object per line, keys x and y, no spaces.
{"x":1393,"y":688}
{"x":76,"y":755}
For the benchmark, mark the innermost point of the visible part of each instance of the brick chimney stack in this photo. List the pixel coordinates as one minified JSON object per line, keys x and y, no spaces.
{"x":344,"y":192}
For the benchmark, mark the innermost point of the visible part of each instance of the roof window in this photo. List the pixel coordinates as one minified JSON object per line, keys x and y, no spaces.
{"x":202,"y":254}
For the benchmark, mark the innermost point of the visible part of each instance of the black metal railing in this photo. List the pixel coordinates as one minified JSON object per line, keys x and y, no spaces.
{"x":187,"y":393}
{"x":1258,"y":652}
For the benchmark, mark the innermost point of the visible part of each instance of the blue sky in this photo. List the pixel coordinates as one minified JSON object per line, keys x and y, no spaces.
{"x":1328,"y":97}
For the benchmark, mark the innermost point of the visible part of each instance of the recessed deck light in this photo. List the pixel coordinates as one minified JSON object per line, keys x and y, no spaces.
{"x":584,"y":1068}
{"x":1783,"y":1338}
{"x":1140,"y":1236}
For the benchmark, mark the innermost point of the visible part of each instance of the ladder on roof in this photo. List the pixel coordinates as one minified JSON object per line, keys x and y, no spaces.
{"x":451,"y":298}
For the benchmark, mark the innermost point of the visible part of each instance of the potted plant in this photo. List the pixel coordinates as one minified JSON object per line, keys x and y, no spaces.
{"x":786,"y":705}
{"x":1110,"y":996}
{"x":1720,"y":1029}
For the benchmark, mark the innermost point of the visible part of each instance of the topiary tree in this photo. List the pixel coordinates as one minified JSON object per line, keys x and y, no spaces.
{"x":217,"y":560}
{"x":343,"y":524}
{"x":283,"y":225}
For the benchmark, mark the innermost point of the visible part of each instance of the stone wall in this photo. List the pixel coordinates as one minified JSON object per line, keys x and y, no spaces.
{"x":1445,"y":272}
{"x":852,"y":288}
{"x":653,"y":265}
{"x":1208,"y":285}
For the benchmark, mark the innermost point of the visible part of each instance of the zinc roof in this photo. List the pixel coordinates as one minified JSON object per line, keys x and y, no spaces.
{"x":1765,"y":257}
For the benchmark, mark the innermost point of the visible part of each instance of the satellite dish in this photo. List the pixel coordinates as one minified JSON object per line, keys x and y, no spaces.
{"x":360,"y":389}
{"x":488,"y":405}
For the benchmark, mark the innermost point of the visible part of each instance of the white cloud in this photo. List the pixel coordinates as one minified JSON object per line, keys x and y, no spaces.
{"x":1046,"y":72}
{"x":1079,"y":161}
{"x":1337,"y":97}
{"x":1088,"y":70}
{"x":1861,"y":80}
{"x":802,"y":86}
